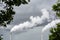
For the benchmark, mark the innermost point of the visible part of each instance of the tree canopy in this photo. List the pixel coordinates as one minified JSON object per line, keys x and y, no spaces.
{"x":6,"y":16}
{"x":55,"y":32}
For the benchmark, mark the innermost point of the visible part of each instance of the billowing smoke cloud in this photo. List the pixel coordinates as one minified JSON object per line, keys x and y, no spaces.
{"x":34,"y":21}
{"x":51,"y":25}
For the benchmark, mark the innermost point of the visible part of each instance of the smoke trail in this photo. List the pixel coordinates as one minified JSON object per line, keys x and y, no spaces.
{"x":34,"y":21}
{"x":51,"y":25}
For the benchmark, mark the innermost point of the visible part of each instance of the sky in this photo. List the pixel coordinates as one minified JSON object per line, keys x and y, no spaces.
{"x":23,"y":13}
{"x":31,"y":9}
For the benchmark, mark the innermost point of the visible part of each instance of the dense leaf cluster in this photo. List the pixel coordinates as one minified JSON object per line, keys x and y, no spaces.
{"x":55,"y":33}
{"x":15,"y":2}
{"x":6,"y":16}
{"x":56,"y":8}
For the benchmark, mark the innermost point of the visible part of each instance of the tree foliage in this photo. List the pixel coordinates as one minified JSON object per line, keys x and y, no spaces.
{"x":1,"y":37}
{"x":55,"y":32}
{"x":56,"y":8}
{"x":6,"y":16}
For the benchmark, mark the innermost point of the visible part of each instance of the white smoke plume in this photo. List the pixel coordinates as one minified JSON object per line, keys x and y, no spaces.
{"x":34,"y":21}
{"x":51,"y":25}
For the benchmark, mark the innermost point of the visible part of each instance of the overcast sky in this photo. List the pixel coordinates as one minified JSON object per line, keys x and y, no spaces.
{"x":33,"y":8}
{"x":23,"y":12}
